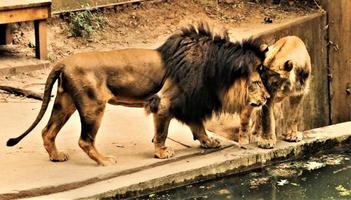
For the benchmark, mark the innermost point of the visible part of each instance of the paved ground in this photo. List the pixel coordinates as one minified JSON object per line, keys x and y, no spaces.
{"x":125,"y":133}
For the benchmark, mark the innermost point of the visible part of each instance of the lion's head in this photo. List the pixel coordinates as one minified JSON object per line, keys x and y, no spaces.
{"x":278,"y":81}
{"x":257,"y":93}
{"x":287,"y":68}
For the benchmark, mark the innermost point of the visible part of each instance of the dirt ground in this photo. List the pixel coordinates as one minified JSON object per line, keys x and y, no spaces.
{"x":138,"y":25}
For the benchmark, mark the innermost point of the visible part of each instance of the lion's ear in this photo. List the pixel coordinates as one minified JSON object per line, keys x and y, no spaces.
{"x":264,"y":48}
{"x":288,"y":65}
{"x":260,"y":68}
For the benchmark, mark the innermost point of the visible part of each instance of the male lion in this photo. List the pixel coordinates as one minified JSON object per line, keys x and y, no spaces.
{"x":192,"y":75}
{"x":287,"y":74}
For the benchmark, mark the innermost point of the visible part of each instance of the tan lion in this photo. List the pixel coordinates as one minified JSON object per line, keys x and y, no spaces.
{"x":194,"y":74}
{"x":287,"y":76}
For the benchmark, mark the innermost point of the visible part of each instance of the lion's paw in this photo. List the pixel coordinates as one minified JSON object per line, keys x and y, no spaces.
{"x":59,"y":157}
{"x":293,"y":136}
{"x":210,"y":143}
{"x":266,"y":143}
{"x":243,"y":140}
{"x":253,"y":138}
{"x":107,"y":161}
{"x":164,"y":152}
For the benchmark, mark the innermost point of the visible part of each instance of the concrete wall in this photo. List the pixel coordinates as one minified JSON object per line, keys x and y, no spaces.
{"x":339,"y":49}
{"x":311,"y":30}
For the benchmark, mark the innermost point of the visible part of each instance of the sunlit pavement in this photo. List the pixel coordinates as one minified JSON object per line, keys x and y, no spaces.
{"x":126,"y":133}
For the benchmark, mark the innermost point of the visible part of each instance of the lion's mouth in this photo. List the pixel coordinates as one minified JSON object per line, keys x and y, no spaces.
{"x":256,"y":104}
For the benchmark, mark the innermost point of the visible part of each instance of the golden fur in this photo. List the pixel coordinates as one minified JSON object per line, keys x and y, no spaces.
{"x":287,"y":77}
{"x":242,"y":92}
{"x":192,"y":75}
{"x":86,"y":82}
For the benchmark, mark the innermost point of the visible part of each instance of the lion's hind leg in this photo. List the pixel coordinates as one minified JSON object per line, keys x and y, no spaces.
{"x":91,"y":111}
{"x":200,"y":134}
{"x":61,"y":112}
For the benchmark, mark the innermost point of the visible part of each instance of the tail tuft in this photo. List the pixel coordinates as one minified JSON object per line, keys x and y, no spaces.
{"x":12,"y":142}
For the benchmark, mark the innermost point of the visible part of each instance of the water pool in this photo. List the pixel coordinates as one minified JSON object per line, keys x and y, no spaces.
{"x":324,"y":176}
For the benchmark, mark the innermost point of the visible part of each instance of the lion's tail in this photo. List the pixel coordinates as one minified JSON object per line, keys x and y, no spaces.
{"x":152,"y":104}
{"x":54,"y":74}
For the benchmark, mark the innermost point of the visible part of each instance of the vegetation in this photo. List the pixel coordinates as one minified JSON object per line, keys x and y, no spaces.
{"x":85,"y":23}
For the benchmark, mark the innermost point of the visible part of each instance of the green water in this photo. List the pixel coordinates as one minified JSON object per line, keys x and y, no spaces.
{"x":326,"y":176}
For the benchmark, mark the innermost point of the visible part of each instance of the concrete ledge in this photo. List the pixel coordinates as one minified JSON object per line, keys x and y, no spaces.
{"x":203,"y":167}
{"x":18,"y":65}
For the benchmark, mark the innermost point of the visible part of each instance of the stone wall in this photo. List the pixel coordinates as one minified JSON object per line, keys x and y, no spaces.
{"x":311,"y":30}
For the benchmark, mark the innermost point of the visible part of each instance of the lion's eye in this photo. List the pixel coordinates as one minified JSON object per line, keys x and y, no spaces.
{"x":257,"y":82}
{"x":252,"y":87}
{"x":305,"y":75}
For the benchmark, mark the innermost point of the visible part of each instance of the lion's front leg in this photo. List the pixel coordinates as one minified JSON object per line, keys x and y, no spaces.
{"x":256,"y":126}
{"x":161,"y":123}
{"x":267,"y":138}
{"x":199,"y":133}
{"x":292,"y":134}
{"x":245,"y":115}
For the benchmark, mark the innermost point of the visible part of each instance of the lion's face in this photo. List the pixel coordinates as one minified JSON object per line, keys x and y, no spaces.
{"x":257,"y":93}
{"x":287,"y":68}
{"x":279,"y":80}
{"x":286,"y":79}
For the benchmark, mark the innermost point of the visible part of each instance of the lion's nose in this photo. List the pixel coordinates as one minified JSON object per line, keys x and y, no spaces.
{"x":267,"y":96}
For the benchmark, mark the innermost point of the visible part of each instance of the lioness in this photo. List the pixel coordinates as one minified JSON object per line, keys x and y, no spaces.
{"x":287,"y":75}
{"x":192,"y":75}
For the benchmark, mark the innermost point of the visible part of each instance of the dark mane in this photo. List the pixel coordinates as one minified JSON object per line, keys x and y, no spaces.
{"x":203,"y":64}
